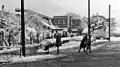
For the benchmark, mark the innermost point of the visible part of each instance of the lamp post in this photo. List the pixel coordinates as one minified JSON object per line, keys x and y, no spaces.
{"x":89,"y":25}
{"x":22,"y":28}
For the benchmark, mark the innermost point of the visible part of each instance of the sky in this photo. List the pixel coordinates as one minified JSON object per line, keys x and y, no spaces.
{"x":61,"y":7}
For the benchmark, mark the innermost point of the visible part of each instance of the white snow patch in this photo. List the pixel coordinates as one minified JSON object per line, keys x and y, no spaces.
{"x":48,"y":56}
{"x":115,"y":38}
{"x":65,"y":46}
{"x":72,"y":44}
{"x":34,"y":58}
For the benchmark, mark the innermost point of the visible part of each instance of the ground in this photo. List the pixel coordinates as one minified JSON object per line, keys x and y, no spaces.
{"x":105,"y":56}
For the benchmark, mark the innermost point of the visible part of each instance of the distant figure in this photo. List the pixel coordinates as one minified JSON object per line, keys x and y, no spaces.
{"x":31,"y":38}
{"x":54,"y":35}
{"x":83,"y":43}
{"x":58,"y":41}
{"x":10,"y":39}
{"x":2,"y":7}
{"x":37,"y":35}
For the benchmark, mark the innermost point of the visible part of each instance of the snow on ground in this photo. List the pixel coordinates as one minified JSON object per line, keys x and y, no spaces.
{"x":49,"y":56}
{"x":9,"y":50}
{"x":117,"y":30}
{"x":66,"y":38}
{"x":15,"y":48}
{"x":115,"y":38}
{"x":101,"y":40}
{"x":34,"y":58}
{"x":70,"y":44}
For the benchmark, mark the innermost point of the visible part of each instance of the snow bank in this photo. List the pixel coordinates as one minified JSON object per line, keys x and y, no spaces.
{"x":64,"y":46}
{"x":117,"y":30}
{"x":35,"y":58}
{"x":115,"y":38}
{"x":71,"y":44}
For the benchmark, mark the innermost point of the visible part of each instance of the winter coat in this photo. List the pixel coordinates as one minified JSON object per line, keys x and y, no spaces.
{"x":83,"y":42}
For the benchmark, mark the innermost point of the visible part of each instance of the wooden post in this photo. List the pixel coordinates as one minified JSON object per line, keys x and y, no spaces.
{"x":109,"y":20}
{"x":23,"y":28}
{"x":89,"y":25}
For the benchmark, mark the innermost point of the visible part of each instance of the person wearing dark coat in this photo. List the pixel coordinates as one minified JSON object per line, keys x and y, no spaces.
{"x":58,"y":41}
{"x":88,"y":46}
{"x":83,"y":43}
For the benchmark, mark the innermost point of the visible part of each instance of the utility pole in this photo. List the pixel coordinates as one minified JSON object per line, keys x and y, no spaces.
{"x":89,"y":25}
{"x":68,"y":24}
{"x":109,"y":20}
{"x":22,"y":29}
{"x":68,"y":20}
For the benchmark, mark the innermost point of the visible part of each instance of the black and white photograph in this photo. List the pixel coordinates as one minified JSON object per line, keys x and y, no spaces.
{"x":59,"y":33}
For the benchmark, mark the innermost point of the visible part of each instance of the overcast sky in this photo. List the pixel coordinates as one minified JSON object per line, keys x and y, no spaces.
{"x":60,"y":7}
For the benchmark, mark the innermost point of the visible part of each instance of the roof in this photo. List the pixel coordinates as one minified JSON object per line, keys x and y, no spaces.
{"x":50,"y":26}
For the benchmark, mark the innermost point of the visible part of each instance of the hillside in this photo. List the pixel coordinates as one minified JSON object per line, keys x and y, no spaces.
{"x":34,"y":22}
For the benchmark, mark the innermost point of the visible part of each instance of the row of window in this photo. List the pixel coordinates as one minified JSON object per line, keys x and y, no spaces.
{"x":64,"y":22}
{"x":75,"y":22}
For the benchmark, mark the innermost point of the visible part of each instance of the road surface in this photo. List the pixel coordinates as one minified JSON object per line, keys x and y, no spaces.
{"x":106,"y":56}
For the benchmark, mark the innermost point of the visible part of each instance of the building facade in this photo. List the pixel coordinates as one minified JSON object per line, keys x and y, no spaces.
{"x":67,"y":22}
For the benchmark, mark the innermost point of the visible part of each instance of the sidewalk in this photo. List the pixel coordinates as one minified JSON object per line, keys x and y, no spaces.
{"x":100,"y":56}
{"x":35,"y":58}
{"x":71,"y":44}
{"x":17,"y":48}
{"x":48,"y":56}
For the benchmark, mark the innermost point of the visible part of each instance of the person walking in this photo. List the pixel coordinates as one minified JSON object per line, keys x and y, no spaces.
{"x":83,"y":43}
{"x":10,"y":38}
{"x":88,"y":46}
{"x":58,"y":41}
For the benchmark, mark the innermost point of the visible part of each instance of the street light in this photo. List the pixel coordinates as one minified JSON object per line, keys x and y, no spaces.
{"x":22,"y":29}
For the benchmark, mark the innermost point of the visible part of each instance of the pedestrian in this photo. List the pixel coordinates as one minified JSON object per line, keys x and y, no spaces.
{"x":37,"y":36}
{"x":83,"y":43}
{"x":10,"y":38}
{"x":31,"y":38}
{"x":58,"y":41}
{"x":88,"y":45}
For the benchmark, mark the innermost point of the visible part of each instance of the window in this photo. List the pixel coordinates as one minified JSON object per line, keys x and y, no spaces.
{"x":64,"y":21}
{"x":55,"y":21}
{"x":75,"y":22}
{"x":60,"y":21}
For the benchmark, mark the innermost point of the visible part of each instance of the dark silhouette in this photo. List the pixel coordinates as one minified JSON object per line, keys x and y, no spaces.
{"x":2,"y":7}
{"x":58,"y":41}
{"x":37,"y":35}
{"x":88,"y":46}
{"x":83,"y":43}
{"x":10,"y":38}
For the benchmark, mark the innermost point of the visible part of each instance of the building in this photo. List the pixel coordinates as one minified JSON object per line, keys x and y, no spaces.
{"x":71,"y":24}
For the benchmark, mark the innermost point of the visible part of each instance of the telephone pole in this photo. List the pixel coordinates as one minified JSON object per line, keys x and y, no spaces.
{"x":109,"y":19}
{"x":89,"y":25}
{"x":22,"y":29}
